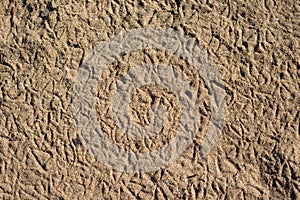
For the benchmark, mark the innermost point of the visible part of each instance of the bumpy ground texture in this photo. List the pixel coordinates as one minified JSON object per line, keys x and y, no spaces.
{"x":254,"y":44}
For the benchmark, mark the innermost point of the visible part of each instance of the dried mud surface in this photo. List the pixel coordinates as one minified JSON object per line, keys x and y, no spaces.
{"x":254,"y":44}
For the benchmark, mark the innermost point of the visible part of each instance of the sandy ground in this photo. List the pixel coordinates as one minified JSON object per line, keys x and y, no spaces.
{"x":254,"y":44}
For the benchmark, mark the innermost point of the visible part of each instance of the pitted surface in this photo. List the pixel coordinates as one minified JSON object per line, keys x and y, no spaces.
{"x":255,"y":46}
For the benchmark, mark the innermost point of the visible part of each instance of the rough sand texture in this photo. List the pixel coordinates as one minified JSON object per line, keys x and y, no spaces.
{"x":254,"y":44}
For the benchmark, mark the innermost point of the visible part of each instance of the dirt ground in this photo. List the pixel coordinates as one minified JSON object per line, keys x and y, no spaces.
{"x":254,"y":44}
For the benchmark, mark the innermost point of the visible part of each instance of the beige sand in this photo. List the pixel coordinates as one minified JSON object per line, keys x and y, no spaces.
{"x":254,"y":44}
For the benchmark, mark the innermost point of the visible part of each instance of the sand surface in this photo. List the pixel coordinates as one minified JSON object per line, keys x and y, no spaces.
{"x":255,"y":45}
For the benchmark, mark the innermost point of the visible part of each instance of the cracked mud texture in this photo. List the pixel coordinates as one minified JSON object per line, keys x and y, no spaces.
{"x":254,"y":44}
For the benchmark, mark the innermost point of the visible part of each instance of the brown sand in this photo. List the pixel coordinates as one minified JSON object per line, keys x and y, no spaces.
{"x":254,"y":44}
